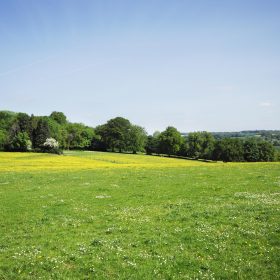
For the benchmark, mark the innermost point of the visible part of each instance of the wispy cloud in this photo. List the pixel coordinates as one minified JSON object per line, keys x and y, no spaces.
{"x":265,"y":104}
{"x":25,"y":66}
{"x":75,"y":70}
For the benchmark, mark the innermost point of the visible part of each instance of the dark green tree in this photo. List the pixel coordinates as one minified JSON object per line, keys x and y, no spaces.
{"x":58,"y":132}
{"x":41,"y":132}
{"x":152,"y":145}
{"x":59,"y":117}
{"x":24,"y":123}
{"x":7,"y":118}
{"x":200,"y":145}
{"x":194,"y":145}
{"x":97,"y":144}
{"x":228,"y":149}
{"x":251,"y":150}
{"x":170,"y":141}
{"x":79,"y":136}
{"x":3,"y":138}
{"x":137,"y":137}
{"x":115,"y":134}
{"x":20,"y":143}
{"x":266,"y":151}
{"x":184,"y":147}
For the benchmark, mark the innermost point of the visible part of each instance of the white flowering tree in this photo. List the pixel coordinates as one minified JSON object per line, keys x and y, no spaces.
{"x":51,"y":145}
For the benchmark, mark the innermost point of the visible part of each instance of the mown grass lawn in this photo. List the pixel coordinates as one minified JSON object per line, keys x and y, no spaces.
{"x":113,"y":216}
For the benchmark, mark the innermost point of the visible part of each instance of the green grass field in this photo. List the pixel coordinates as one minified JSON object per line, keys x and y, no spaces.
{"x":113,"y":216}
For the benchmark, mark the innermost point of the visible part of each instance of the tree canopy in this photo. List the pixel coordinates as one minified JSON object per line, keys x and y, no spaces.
{"x":170,"y":141}
{"x":21,"y":132}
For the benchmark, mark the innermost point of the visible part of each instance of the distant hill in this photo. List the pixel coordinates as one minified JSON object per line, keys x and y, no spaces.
{"x":273,"y":136}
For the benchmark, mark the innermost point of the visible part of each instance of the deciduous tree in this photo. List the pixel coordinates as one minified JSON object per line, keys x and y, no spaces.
{"x":170,"y":141}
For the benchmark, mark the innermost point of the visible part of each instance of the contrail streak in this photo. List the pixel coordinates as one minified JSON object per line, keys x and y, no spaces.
{"x":26,"y":66}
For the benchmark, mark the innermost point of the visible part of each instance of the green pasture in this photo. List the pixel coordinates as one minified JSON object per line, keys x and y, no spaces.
{"x":153,"y":221}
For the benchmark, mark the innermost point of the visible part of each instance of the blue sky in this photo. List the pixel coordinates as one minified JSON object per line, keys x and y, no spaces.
{"x":197,"y":65}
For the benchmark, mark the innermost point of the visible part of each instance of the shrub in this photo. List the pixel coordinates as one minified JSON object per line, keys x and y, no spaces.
{"x":51,"y":146}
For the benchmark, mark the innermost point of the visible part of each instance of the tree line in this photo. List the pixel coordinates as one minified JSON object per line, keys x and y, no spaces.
{"x":54,"y":133}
